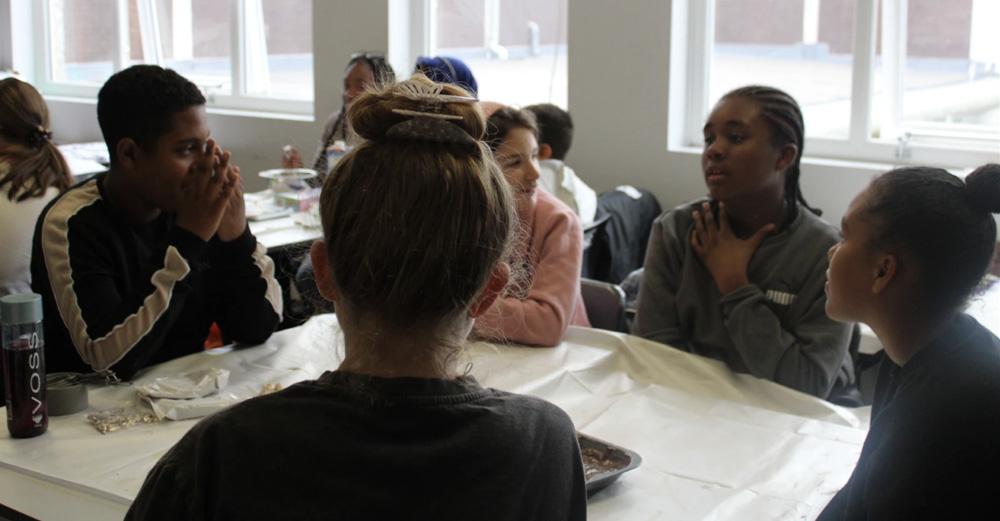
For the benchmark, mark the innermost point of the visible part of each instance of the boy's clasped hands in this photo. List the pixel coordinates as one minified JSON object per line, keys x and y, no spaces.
{"x":212,"y":197}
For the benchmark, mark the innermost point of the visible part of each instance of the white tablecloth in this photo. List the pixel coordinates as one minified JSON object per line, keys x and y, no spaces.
{"x":715,"y":445}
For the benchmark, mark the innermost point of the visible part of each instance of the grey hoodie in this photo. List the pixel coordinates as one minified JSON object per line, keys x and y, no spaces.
{"x":774,"y":328}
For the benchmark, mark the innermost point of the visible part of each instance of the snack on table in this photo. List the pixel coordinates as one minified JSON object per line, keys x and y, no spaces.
{"x":604,"y":463}
{"x":597,"y":461}
{"x":267,"y":389}
{"x":111,"y":420}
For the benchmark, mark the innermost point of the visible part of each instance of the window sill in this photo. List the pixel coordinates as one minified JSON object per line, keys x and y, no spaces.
{"x":874,"y":166}
{"x":261,"y":114}
{"x":215,"y":111}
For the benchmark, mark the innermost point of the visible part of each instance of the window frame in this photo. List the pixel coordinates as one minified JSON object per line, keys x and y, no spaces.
{"x":241,"y":59}
{"x":424,"y":37}
{"x":860,"y":145}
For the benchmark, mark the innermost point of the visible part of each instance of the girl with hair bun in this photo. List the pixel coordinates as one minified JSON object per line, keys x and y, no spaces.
{"x":916,"y":243}
{"x":738,"y":276}
{"x":32,"y":173}
{"x":417,"y":224}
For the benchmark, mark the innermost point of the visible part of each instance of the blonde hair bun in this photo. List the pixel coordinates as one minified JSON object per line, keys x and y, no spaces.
{"x":417,"y":216}
{"x":379,"y":109}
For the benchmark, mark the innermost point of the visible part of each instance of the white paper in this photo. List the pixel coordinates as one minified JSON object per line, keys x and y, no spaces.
{"x":166,"y":408}
{"x":195,"y":384}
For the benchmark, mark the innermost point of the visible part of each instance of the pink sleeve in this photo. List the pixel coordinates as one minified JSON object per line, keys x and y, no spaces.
{"x":542,"y":318}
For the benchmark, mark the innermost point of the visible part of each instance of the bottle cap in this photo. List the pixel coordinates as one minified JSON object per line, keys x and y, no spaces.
{"x":21,"y":308}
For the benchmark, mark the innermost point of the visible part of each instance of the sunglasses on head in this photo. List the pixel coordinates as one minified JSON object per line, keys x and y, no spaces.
{"x":366,"y":55}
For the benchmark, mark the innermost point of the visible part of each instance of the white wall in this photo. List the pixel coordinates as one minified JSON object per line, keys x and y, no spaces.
{"x":6,"y":52}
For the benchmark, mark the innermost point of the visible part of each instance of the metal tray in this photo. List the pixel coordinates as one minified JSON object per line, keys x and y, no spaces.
{"x":622,"y":460}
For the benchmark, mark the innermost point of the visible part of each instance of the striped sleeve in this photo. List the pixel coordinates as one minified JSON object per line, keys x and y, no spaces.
{"x":110,"y":324}
{"x":251,"y":304}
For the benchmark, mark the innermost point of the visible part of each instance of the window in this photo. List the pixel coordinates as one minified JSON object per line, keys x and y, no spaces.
{"x":939,"y":73}
{"x":896,"y":81}
{"x":73,"y":60}
{"x":810,"y":60}
{"x":515,"y":48}
{"x":243,"y":54}
{"x":288,"y":42}
{"x":192,"y":37}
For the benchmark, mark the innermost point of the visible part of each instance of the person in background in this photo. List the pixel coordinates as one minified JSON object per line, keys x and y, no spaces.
{"x":544,"y":298}
{"x":915,"y":244}
{"x":555,"y":137}
{"x":135,"y":264}
{"x":489,"y":107}
{"x":32,"y":173}
{"x":739,"y":276}
{"x":445,"y":69}
{"x":364,"y":69}
{"x":417,"y":222}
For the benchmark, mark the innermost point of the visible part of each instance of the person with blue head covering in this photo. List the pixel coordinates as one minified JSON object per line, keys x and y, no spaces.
{"x":445,"y":69}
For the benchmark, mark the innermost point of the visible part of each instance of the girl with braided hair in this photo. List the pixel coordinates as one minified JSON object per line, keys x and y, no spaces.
{"x":739,"y":276}
{"x":32,"y":172}
{"x":364,"y":69}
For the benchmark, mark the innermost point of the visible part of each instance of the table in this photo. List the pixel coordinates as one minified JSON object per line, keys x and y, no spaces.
{"x":715,"y":445}
{"x":283,"y":232}
{"x":86,"y":159}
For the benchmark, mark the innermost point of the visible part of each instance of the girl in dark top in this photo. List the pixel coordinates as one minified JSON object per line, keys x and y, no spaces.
{"x":364,"y":69}
{"x":417,"y":222}
{"x":915,"y":244}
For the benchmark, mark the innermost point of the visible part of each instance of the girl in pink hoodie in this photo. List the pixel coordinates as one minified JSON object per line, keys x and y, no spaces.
{"x":543,"y":298}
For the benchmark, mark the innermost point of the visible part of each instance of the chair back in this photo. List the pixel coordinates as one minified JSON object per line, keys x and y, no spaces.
{"x":594,"y":257}
{"x":619,"y":246}
{"x":852,"y":395}
{"x":593,"y":228}
{"x":605,"y":303}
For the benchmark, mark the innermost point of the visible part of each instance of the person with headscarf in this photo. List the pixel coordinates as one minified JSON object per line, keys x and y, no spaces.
{"x":446,"y":69}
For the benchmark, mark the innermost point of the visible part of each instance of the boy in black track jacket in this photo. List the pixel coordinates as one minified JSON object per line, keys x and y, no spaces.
{"x":134,"y":265}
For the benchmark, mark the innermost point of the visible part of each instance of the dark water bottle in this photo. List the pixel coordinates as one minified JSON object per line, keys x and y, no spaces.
{"x":24,"y":364}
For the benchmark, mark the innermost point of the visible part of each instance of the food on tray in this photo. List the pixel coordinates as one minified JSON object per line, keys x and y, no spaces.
{"x":597,"y":461}
{"x":269,"y":388}
{"x":603,"y":462}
